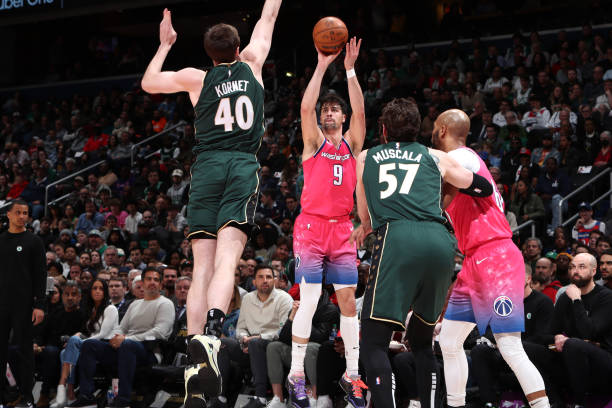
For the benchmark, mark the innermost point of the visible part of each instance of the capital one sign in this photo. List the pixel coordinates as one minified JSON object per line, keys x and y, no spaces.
{"x":21,"y":4}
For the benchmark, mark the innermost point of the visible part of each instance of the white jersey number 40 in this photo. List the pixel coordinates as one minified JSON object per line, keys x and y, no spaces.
{"x":224,"y":116}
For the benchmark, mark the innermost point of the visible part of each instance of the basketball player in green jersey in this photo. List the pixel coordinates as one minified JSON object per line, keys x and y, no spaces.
{"x":229,"y":123}
{"x":398,"y":194}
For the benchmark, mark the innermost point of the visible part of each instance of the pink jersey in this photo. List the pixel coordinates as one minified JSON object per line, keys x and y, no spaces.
{"x":477,"y":220}
{"x":329,"y":181}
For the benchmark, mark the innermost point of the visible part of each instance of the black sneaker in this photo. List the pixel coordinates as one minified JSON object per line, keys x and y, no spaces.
{"x":195,"y":401}
{"x":353,"y":387}
{"x":254,"y":402}
{"x":84,"y":402}
{"x":202,"y":376}
{"x":117,"y":403}
{"x":217,"y":403}
{"x":24,"y":404}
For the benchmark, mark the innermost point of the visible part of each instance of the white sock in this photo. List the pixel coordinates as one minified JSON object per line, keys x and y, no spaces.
{"x":541,"y":402}
{"x":298,"y":352}
{"x":349,"y":330}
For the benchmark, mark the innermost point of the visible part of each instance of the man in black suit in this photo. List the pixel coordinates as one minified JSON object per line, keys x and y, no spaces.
{"x":117,"y":289}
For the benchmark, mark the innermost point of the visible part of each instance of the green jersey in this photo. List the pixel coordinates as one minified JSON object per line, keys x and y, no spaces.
{"x":402,"y":182}
{"x":229,"y":114}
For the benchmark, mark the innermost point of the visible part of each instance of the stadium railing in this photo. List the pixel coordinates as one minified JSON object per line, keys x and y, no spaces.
{"x":564,"y":200}
{"x":150,"y":138}
{"x":68,"y":177}
{"x":529,"y":223}
{"x":95,"y":165}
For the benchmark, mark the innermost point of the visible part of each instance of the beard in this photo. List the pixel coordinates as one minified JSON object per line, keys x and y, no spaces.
{"x":580,"y":281}
{"x":329,"y":125}
{"x":435,"y":141}
{"x":265,"y":290}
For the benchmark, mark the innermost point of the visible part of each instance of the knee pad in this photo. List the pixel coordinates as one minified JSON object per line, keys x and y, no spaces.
{"x":419,"y":333}
{"x":511,"y":349}
{"x":453,"y":334}
{"x":309,"y":298}
{"x":510,"y":346}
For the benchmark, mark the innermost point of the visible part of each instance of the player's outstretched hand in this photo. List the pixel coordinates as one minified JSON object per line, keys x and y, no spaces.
{"x":352,"y":53}
{"x":326,"y":59}
{"x":167,"y":35}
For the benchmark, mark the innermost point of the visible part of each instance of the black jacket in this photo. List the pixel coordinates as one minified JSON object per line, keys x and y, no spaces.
{"x":23,"y":272}
{"x":586,"y":319}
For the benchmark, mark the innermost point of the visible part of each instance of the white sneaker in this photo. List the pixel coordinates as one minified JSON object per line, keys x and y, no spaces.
{"x":414,"y":404}
{"x":276,"y":403}
{"x":324,"y":402}
{"x":60,"y":398}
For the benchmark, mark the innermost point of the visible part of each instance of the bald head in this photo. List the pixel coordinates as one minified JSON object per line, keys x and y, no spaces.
{"x":456,"y":121}
{"x":451,"y":129}
{"x":586,"y":258}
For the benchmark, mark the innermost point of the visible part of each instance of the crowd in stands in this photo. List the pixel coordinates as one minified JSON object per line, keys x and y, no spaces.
{"x":541,"y":118}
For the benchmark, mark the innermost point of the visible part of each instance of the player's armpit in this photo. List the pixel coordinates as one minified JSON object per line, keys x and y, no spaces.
{"x":448,"y":193}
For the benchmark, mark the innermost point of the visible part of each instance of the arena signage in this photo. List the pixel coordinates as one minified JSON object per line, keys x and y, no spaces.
{"x":6,"y":5}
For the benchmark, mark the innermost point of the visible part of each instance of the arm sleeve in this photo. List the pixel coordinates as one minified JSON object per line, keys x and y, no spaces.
{"x":39,"y":273}
{"x":162,"y":328}
{"x":466,"y":158}
{"x":110,"y":320}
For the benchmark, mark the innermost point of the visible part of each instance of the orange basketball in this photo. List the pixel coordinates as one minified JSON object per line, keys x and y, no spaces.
{"x":330,"y":35}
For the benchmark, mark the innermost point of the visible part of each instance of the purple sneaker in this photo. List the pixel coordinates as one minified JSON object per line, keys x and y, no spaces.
{"x":297,"y":392}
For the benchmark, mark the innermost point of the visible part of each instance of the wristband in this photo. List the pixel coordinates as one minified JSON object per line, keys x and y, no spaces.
{"x":350,"y":73}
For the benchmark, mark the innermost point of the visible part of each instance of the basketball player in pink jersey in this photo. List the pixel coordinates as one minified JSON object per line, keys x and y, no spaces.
{"x":322,"y":231}
{"x":489,"y":288}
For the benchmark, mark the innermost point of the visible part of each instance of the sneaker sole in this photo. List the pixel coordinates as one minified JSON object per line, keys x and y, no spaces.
{"x":203,"y":376}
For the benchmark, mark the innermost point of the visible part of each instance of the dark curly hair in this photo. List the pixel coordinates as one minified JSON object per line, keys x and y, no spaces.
{"x":332,"y":98}
{"x":401,"y":119}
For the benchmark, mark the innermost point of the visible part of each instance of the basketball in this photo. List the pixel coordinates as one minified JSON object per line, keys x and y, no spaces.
{"x":330,"y":35}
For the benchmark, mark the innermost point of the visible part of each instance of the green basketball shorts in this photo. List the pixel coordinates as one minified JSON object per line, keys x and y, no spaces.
{"x":223,"y":192}
{"x":412,"y":268}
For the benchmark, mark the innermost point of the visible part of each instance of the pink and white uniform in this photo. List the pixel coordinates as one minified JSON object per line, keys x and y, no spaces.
{"x":489,"y":288}
{"x":321,"y":232}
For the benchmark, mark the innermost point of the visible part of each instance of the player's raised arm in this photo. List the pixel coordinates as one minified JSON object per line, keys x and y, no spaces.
{"x":256,"y":52}
{"x":365,"y":228}
{"x":467,"y":181}
{"x":311,"y":134}
{"x":357,"y":130}
{"x":157,"y":81}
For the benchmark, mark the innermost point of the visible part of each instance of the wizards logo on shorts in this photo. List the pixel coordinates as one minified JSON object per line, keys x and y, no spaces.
{"x":503,"y":306}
